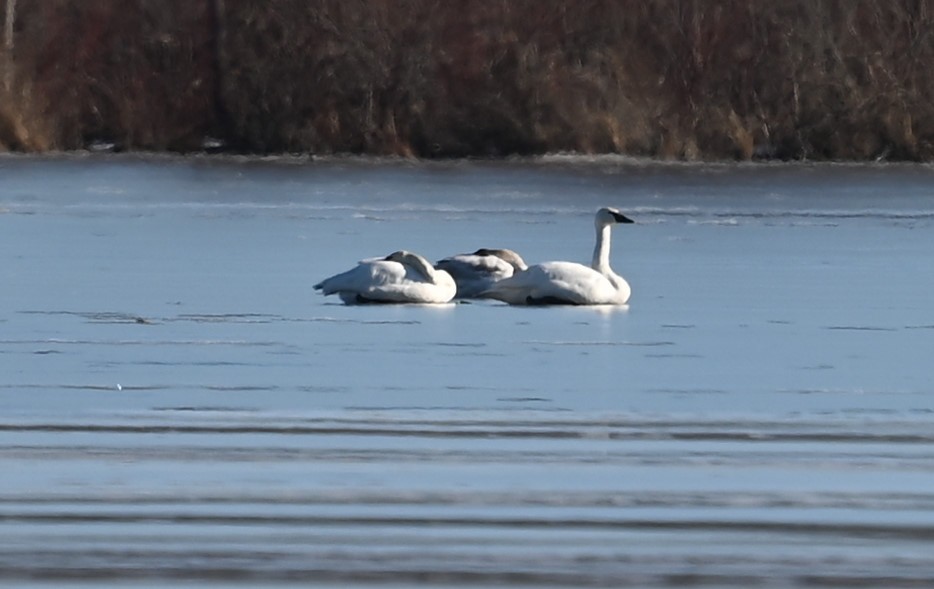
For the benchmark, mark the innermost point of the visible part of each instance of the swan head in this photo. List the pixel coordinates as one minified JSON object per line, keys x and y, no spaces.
{"x":610,"y":216}
{"x":401,"y":256}
{"x":508,"y":256}
{"x":416,"y":262}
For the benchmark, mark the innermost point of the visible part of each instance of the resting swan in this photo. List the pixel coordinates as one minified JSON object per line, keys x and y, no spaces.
{"x":400,"y":277}
{"x":570,"y":283}
{"x":477,"y":272}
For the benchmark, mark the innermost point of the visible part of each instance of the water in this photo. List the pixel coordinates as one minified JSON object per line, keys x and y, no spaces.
{"x":180,"y":407}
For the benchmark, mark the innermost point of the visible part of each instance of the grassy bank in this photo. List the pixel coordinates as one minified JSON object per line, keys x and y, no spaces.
{"x":827,"y":79}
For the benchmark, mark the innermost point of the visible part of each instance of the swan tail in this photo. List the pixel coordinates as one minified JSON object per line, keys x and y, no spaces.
{"x":358,"y":279}
{"x":328,"y":286}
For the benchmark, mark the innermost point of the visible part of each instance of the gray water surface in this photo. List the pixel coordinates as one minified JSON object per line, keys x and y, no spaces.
{"x":179,"y":406}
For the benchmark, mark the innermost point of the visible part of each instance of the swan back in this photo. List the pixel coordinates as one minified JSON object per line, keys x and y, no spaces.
{"x":507,"y":255}
{"x":474,"y":273}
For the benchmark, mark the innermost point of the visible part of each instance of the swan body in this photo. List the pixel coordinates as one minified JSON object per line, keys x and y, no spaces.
{"x":570,"y":283}
{"x":475,"y":273}
{"x":400,"y":277}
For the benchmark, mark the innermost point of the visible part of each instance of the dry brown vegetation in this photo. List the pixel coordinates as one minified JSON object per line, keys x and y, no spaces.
{"x":842,"y":79}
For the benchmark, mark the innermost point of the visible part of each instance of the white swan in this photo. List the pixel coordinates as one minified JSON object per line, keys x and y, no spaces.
{"x":400,"y":277}
{"x":475,"y":273}
{"x":569,"y":283}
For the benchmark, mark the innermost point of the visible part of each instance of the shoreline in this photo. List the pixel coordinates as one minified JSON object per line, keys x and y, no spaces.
{"x":556,"y":160}
{"x":735,"y":81}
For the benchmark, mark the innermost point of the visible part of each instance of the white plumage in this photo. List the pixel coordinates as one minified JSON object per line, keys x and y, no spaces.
{"x":475,"y":273}
{"x":570,"y":283}
{"x":400,"y":277}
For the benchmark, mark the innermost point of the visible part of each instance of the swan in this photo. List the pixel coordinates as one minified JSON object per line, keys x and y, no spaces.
{"x":477,"y":272}
{"x":570,"y":283}
{"x":400,"y":277}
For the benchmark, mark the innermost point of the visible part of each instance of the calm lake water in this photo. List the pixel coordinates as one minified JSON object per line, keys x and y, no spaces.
{"x":180,"y":407}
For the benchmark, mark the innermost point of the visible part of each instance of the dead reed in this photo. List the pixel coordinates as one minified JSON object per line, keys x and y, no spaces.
{"x":737,"y":79}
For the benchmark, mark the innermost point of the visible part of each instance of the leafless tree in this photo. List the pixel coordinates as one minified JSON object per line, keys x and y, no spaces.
{"x":10,"y":16}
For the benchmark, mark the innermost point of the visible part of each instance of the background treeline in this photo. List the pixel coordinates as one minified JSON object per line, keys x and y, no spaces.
{"x":842,"y":79}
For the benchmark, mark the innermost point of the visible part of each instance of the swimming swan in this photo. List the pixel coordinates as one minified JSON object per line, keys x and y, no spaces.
{"x":475,"y":273}
{"x":570,"y":283}
{"x":400,"y":277}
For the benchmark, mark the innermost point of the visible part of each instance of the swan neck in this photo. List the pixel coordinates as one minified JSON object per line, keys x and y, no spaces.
{"x":601,"y":251}
{"x":422,"y":266}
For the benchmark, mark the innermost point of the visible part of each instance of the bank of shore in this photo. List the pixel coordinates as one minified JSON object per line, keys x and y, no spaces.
{"x":679,"y":79}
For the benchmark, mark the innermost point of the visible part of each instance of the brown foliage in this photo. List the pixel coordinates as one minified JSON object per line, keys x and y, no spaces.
{"x":133,"y":72}
{"x":843,"y":79}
